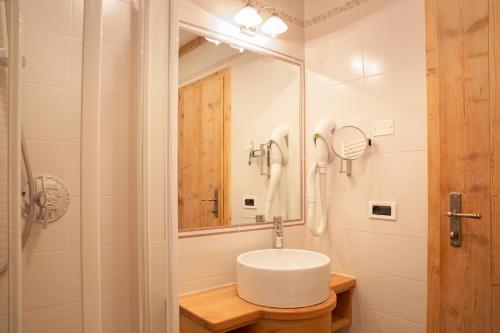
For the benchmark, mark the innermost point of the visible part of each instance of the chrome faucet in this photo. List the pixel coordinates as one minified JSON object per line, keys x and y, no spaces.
{"x":278,"y":232}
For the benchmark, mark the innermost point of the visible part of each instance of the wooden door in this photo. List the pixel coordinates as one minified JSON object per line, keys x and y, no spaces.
{"x":463,"y":87}
{"x":204,"y":146}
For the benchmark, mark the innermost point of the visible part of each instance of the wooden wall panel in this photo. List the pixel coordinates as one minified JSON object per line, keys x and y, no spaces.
{"x":434,"y":202}
{"x":495,"y":132}
{"x":459,"y":123}
{"x":496,"y":309}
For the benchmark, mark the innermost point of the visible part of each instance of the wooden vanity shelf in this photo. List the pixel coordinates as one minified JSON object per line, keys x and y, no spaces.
{"x":221,"y":310}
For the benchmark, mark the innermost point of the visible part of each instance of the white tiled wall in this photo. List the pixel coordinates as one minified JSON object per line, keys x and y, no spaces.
{"x":157,"y":134}
{"x":210,"y":261}
{"x":363,"y":65}
{"x":118,"y":165}
{"x":52,"y":45}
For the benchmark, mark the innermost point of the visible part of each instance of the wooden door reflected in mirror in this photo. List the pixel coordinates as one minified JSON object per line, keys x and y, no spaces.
{"x":204,"y":152}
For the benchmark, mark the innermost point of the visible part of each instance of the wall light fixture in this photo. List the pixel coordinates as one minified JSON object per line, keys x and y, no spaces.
{"x":249,"y":19}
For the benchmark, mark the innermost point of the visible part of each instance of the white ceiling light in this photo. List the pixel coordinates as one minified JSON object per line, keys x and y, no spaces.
{"x":274,"y":26}
{"x":248,"y":17}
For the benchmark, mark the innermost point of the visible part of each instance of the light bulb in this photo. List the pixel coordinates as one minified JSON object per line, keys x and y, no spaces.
{"x":248,"y":17}
{"x":274,"y":26}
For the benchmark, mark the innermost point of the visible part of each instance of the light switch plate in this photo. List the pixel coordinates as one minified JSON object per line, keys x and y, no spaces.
{"x":382,"y":210}
{"x":383,"y":127}
{"x":250,"y":202}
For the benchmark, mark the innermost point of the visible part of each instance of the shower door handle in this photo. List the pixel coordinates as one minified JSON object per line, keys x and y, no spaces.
{"x":455,"y":214}
{"x":215,"y":200}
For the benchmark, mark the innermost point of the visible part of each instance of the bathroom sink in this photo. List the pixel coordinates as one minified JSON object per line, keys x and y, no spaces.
{"x":283,"y":278}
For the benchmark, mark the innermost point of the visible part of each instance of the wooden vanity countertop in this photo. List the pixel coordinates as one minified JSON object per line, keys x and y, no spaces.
{"x":221,"y":309}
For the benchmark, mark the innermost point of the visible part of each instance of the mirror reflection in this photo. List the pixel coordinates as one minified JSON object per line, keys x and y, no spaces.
{"x":239,"y":135}
{"x":349,"y":143}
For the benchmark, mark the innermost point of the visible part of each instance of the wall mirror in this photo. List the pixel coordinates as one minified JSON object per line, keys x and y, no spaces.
{"x":240,"y":134}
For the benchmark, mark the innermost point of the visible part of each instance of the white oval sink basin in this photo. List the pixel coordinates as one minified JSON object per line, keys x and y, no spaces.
{"x":283,"y":278}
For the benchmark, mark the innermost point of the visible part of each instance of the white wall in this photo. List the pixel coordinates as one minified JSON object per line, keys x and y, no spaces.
{"x":265,"y":93}
{"x":51,"y":112}
{"x":157,"y":133}
{"x":210,"y":261}
{"x":365,"y":62}
{"x":117,"y":168}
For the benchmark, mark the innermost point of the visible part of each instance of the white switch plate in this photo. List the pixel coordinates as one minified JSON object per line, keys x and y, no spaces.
{"x":388,"y":206}
{"x":383,"y":127}
{"x":250,"y":202}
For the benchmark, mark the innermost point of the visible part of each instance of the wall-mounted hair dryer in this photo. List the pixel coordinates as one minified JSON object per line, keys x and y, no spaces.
{"x":316,"y":177}
{"x":278,"y":142}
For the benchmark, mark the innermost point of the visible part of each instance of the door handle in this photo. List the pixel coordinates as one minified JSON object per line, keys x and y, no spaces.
{"x":467,"y":216}
{"x":455,"y":214}
{"x":215,"y":200}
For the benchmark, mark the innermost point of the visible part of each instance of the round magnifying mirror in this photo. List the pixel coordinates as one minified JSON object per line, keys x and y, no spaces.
{"x":349,"y":142}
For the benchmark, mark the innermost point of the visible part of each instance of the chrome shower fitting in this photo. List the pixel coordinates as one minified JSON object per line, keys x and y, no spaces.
{"x":51,"y":199}
{"x":263,"y":154}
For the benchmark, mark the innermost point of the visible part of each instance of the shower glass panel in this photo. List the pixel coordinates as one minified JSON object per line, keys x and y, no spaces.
{"x":127,"y":274}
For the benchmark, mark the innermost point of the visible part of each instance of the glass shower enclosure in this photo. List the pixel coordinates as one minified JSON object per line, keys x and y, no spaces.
{"x":83,"y":121}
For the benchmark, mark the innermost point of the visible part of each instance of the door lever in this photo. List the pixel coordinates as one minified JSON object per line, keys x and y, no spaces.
{"x":456,"y":216}
{"x":468,"y":216}
{"x":215,"y":200}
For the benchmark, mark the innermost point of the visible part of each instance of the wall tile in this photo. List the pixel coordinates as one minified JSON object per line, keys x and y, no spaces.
{"x":50,"y":15}
{"x":117,"y":170}
{"x":118,"y":72}
{"x":157,"y":264}
{"x":387,"y":37}
{"x":396,"y":90}
{"x":46,"y":280}
{"x":76,"y":49}
{"x":157,"y":218}
{"x":75,"y":276}
{"x":375,"y":252}
{"x":118,"y":121}
{"x":118,"y":219}
{"x":77,"y":27}
{"x":53,"y":319}
{"x":48,"y":58}
{"x":119,"y":21}
{"x":76,"y":317}
{"x":385,"y":293}
{"x":118,"y":269}
{"x":119,"y":314}
{"x":158,"y":309}
{"x":50,"y":114}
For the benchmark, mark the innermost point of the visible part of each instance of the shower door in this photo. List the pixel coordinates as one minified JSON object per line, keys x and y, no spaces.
{"x":10,"y":254}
